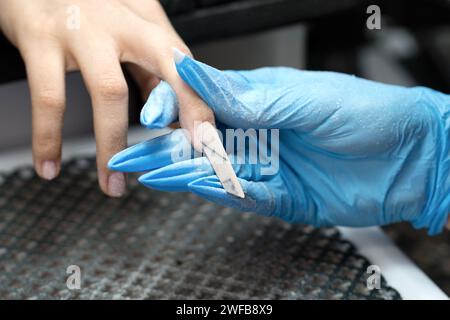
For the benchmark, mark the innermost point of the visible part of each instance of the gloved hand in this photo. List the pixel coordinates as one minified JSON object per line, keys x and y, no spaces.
{"x":352,"y":152}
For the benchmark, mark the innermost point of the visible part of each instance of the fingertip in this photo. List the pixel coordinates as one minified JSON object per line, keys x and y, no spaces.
{"x":151,"y":118}
{"x":112,"y":183}
{"x":157,"y":179}
{"x":120,"y":161}
{"x":192,"y":119}
{"x":161,"y":108}
{"x":146,"y":155}
{"x":153,"y":175}
{"x":143,"y":179}
{"x":48,"y":169}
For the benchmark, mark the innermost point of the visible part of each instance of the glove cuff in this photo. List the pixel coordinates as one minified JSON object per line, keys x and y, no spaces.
{"x":436,"y":216}
{"x":435,"y":220}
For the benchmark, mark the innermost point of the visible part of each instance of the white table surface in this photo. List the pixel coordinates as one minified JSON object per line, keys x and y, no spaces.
{"x":399,"y":271}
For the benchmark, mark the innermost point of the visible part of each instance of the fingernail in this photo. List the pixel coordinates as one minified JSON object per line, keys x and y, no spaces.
{"x":178,"y":55}
{"x":49,"y":170}
{"x":116,"y":184}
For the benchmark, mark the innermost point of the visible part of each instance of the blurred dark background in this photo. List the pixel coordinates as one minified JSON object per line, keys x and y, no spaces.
{"x":336,"y":31}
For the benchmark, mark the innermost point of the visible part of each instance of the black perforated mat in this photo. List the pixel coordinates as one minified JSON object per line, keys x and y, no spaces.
{"x":152,"y":245}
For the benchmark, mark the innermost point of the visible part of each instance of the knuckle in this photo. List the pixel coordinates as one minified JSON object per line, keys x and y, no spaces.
{"x":43,"y":27}
{"x":48,"y":99}
{"x":112,"y":89}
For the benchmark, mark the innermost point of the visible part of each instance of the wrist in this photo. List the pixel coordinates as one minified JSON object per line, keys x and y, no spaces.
{"x":436,"y":216}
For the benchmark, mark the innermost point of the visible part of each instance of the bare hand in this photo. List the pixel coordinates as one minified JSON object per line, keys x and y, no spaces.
{"x":55,"y":36}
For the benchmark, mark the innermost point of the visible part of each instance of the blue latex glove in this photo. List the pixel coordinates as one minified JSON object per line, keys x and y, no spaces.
{"x":352,"y":152}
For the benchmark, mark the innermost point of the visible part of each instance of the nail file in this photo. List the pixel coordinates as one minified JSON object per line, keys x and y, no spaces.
{"x":213,"y":149}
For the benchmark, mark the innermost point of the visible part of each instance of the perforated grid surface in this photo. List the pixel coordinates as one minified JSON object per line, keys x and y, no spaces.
{"x":152,"y":245}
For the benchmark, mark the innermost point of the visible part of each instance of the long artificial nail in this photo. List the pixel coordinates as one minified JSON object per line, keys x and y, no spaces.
{"x":207,"y":187}
{"x":171,"y":183}
{"x":180,"y":173}
{"x":116,"y":184}
{"x":49,"y":170}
